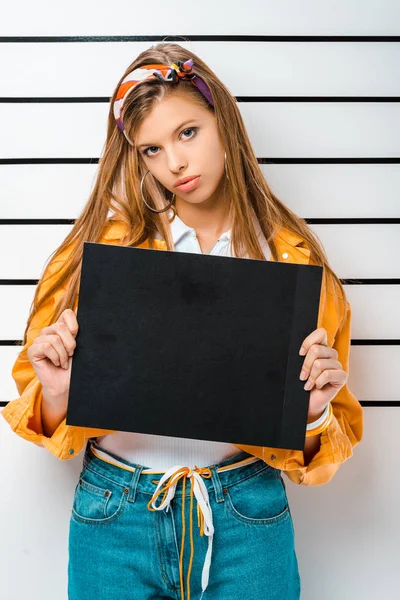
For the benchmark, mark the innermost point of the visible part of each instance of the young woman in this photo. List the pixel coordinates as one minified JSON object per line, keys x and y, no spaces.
{"x":178,"y":172}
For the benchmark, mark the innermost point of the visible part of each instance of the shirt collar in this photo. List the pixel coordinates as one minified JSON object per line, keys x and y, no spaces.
{"x":179,"y":228}
{"x":115,"y":230}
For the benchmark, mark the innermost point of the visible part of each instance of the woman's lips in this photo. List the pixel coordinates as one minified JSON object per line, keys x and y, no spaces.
{"x":189,"y":185}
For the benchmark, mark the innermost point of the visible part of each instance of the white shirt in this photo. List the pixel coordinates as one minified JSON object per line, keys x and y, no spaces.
{"x":160,"y":452}
{"x":185,"y":239}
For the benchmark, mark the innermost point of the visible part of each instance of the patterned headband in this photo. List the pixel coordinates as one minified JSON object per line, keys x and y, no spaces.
{"x":174,"y":72}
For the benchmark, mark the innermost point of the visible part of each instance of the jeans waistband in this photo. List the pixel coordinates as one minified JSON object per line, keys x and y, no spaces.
{"x":172,"y":483}
{"x":223,"y":474}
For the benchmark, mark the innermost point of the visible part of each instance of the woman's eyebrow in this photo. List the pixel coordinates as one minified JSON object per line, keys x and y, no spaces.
{"x":174,"y":131}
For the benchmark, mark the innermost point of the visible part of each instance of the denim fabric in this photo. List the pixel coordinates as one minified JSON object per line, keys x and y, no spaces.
{"x":120,"y":550}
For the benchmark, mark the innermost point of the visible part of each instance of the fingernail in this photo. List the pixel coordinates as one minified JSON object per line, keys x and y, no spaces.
{"x":302,"y":351}
{"x":308,"y":385}
{"x":303,"y":375}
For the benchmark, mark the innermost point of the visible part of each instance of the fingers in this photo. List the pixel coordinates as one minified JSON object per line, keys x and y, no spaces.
{"x":52,"y":346}
{"x":319,"y":366}
{"x":57,"y":341}
{"x":69,"y":318}
{"x":42,"y":347}
{"x":316,"y":352}
{"x":66,"y":327}
{"x":318,"y":336}
{"x":337,"y":378}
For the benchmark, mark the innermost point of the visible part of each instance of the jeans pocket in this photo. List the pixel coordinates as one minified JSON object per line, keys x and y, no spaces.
{"x":260,"y":499}
{"x":98,"y":500}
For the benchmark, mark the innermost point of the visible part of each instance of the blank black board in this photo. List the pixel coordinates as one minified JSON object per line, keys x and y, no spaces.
{"x":192,"y":345}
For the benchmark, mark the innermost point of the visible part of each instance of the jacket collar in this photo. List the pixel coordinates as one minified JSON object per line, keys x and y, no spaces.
{"x":287,"y":242}
{"x":289,"y":237}
{"x":292,"y":247}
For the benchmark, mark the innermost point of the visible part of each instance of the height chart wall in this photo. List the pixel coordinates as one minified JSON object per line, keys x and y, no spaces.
{"x":318,"y":86}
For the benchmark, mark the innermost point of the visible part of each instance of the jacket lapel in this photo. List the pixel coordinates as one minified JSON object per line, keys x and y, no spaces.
{"x":290,"y":244}
{"x":286,"y":242}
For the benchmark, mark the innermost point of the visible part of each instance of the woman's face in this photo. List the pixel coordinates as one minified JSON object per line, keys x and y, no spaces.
{"x":179,"y":138}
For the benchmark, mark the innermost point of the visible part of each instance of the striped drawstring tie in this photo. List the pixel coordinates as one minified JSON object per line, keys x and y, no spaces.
{"x":204,"y":514}
{"x":198,"y":488}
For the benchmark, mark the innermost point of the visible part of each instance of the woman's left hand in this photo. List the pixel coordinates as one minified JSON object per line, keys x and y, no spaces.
{"x":324,"y":372}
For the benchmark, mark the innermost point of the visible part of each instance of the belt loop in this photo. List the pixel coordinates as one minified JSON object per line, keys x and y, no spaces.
{"x":133,"y":485}
{"x":219,"y":495}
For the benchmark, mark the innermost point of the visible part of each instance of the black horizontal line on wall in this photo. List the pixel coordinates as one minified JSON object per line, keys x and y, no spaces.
{"x":105,"y":99}
{"x":369,"y":281}
{"x":380,"y":402}
{"x":354,"y":342}
{"x":368,"y":160}
{"x":375,"y":342}
{"x":58,"y":100}
{"x":355,"y":221}
{"x":37,"y":221}
{"x":196,"y":38}
{"x":353,"y":281}
{"x":317,"y":98}
{"x":19,"y":281}
{"x":311,"y":221}
{"x":48,"y":161}
{"x":364,"y":403}
{"x":379,"y":160}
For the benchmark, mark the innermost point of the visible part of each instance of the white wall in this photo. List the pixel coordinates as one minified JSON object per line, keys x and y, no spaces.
{"x":326,"y":160}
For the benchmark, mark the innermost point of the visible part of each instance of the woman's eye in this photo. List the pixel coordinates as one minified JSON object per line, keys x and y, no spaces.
{"x":190,"y":129}
{"x":146,"y":152}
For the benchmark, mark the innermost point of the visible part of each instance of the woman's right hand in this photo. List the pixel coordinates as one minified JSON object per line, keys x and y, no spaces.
{"x":51,"y":355}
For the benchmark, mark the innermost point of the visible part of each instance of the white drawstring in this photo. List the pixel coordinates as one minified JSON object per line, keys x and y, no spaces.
{"x":199,"y":488}
{"x":201,"y":493}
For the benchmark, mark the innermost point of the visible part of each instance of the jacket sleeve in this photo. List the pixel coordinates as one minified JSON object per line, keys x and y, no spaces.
{"x":23,"y":414}
{"x":346,"y":428}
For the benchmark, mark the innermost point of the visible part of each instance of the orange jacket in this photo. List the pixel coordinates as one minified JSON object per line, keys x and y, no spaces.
{"x":337,"y":442}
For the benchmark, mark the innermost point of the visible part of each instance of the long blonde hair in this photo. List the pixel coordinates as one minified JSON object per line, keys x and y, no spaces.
{"x":117,"y":185}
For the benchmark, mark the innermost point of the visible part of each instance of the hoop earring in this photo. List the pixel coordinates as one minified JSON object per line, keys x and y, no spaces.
{"x":226,"y":172}
{"x":149,"y":207}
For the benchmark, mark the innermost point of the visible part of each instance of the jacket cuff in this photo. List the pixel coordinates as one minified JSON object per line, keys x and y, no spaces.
{"x":24,"y":415}
{"x":335,"y":448}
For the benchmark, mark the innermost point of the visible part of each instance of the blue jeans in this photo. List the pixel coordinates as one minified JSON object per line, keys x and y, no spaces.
{"x":119,"y":549}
